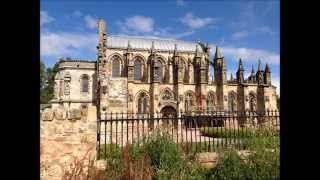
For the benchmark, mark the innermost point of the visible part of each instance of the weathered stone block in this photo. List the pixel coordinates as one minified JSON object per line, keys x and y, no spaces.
{"x":47,"y":115}
{"x":60,"y":114}
{"x":75,"y":114}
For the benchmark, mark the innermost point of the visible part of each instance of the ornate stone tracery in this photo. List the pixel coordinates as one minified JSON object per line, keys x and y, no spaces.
{"x":232,"y":101}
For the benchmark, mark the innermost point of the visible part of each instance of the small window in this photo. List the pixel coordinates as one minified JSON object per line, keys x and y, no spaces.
{"x":85,"y":83}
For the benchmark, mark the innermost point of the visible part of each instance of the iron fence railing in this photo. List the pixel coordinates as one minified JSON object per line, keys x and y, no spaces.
{"x":205,"y":131}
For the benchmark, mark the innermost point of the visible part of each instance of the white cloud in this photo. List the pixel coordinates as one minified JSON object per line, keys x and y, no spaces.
{"x":45,"y":18}
{"x":180,"y":2}
{"x":239,"y":35}
{"x":144,"y":27}
{"x":67,"y":44}
{"x":138,"y":24}
{"x":265,"y":29}
{"x":77,"y":13}
{"x":249,"y":55}
{"x":196,"y":22}
{"x":91,"y":22}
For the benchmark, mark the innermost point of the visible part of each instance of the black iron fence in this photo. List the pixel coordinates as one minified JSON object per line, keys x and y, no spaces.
{"x":205,"y":131}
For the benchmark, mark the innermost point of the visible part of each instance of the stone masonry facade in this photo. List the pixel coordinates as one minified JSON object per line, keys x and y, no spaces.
{"x":138,"y":75}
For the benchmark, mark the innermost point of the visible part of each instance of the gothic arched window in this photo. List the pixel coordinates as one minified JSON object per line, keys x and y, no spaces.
{"x":188,"y":102}
{"x":211,"y":103}
{"x":252,"y":102}
{"x":232,"y":101}
{"x":116,"y":66}
{"x":160,"y":70}
{"x":142,"y":103}
{"x":137,"y":69}
{"x":85,"y":83}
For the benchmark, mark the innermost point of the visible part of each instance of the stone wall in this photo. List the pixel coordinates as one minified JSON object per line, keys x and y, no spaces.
{"x":65,"y":137}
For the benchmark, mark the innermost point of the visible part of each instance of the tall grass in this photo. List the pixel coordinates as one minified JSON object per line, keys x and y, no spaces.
{"x":160,"y":158}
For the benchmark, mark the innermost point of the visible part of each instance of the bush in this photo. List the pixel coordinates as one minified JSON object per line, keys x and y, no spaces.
{"x":226,"y":133}
{"x":262,"y":163}
{"x":166,"y":158}
{"x":160,"y":158}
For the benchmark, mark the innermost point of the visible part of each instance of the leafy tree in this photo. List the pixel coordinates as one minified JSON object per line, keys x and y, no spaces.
{"x":42,"y":74}
{"x":47,"y":91}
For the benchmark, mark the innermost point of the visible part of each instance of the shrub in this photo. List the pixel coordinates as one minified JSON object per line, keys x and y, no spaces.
{"x":262,"y":163}
{"x":221,"y":132}
{"x":164,"y":155}
{"x":113,"y":155}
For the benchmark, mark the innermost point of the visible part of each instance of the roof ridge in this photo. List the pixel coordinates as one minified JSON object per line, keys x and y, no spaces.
{"x":77,"y":60}
{"x":153,"y":38}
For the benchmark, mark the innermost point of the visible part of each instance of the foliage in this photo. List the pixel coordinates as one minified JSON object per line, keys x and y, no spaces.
{"x":48,"y":75}
{"x":42,"y":74}
{"x":262,"y":162}
{"x":160,"y":158}
{"x":221,"y":132}
{"x":83,"y":169}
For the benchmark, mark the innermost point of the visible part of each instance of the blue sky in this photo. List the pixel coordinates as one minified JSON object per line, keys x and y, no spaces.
{"x":246,"y":29}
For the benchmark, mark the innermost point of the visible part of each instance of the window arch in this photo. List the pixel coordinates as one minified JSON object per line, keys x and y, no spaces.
{"x":167,"y":95}
{"x":116,"y":67}
{"x":160,"y":69}
{"x":211,"y":102}
{"x":85,"y":83}
{"x":232,"y":101}
{"x":188,"y":102}
{"x":252,"y":102}
{"x":137,"y":69}
{"x":143,"y":103}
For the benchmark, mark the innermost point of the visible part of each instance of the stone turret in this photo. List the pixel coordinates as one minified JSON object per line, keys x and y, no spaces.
{"x":240,"y":71}
{"x":259,"y":74}
{"x":102,"y":42}
{"x":267,"y":75}
{"x":101,"y":90}
{"x":220,"y":68}
{"x":220,"y":77}
{"x":252,"y":77}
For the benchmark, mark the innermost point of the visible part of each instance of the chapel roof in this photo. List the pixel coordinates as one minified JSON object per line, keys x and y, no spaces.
{"x":115,"y":41}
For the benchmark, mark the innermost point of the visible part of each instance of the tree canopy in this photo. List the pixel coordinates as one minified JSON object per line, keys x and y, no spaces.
{"x":47,"y":82}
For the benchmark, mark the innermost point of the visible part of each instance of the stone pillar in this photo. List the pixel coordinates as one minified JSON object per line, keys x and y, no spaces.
{"x":225,"y":97}
{"x":170,"y":72}
{"x":191,"y":73}
{"x":240,"y":97}
{"x":246,"y":98}
{"x":149,"y":72}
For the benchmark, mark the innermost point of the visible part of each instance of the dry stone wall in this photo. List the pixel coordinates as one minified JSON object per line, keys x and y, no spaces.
{"x":66,"y":135}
